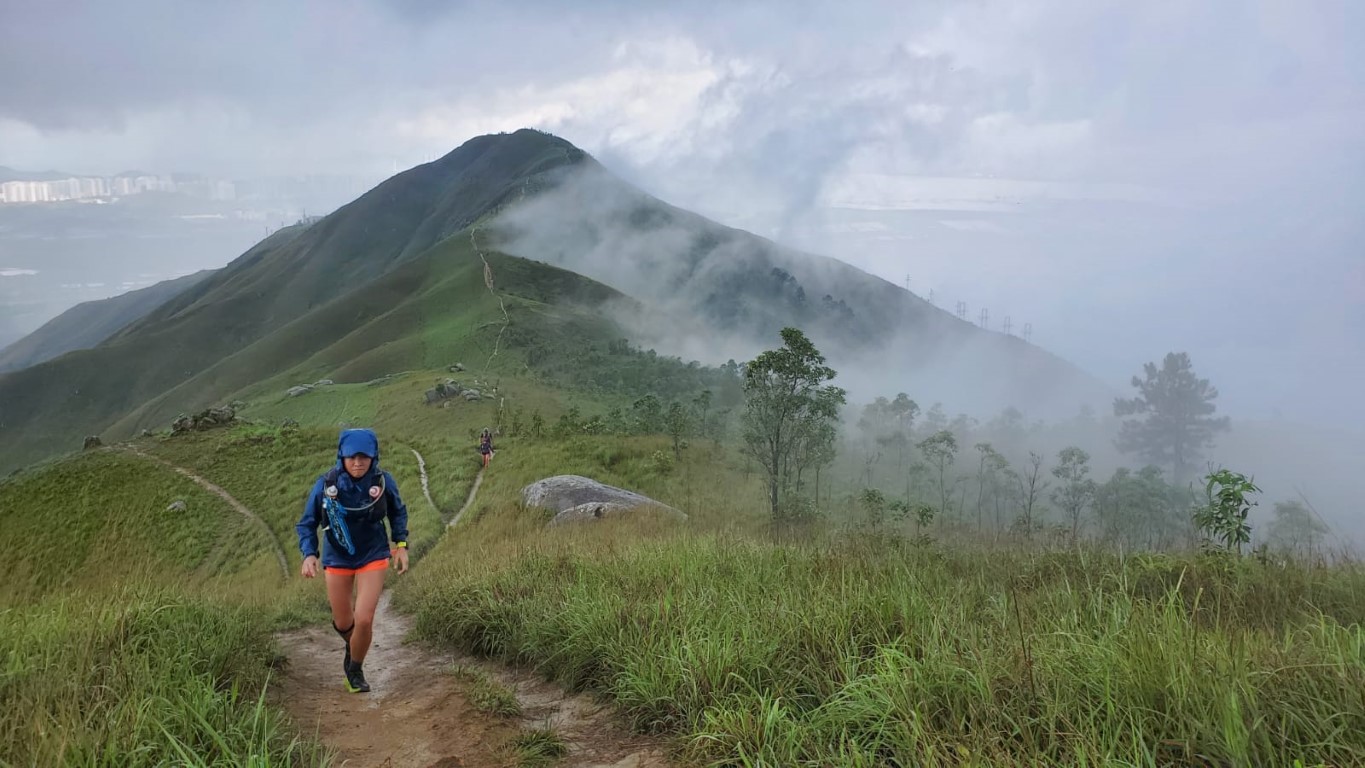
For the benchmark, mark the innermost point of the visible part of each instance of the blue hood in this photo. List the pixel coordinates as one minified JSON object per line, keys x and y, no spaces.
{"x":353,"y":441}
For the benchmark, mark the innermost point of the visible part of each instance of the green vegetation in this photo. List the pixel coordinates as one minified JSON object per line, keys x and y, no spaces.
{"x":1177,"y":422}
{"x":140,"y":678}
{"x":921,"y":603}
{"x":539,"y":747}
{"x":857,"y":652}
{"x":107,"y":517}
{"x":485,"y":693}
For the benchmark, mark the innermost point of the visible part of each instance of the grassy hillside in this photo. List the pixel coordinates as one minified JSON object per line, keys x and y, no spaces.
{"x":105,"y":517}
{"x":85,"y":325}
{"x":858,"y":648}
{"x":846,"y":645}
{"x":47,"y":408}
{"x":394,"y":281}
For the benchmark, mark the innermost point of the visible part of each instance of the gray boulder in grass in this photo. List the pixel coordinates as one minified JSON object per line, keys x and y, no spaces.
{"x":576,"y":498}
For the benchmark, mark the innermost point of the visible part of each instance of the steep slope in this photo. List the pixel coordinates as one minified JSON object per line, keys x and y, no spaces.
{"x":396,"y":281}
{"x":87,"y":324}
{"x":721,"y":292}
{"x":45,"y":409}
{"x":429,"y":312}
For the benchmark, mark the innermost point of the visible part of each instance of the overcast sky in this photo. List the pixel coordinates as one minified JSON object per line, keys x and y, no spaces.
{"x":1129,"y":177}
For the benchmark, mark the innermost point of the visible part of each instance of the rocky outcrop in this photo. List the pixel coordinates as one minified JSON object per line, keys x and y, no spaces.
{"x":574,"y":498}
{"x":217,"y":416}
{"x":444,"y":390}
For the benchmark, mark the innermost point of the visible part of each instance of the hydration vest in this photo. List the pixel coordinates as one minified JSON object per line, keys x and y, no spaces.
{"x":337,"y":515}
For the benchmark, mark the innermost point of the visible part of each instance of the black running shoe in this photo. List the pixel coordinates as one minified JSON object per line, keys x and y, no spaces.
{"x":355,"y":679}
{"x":346,"y":664}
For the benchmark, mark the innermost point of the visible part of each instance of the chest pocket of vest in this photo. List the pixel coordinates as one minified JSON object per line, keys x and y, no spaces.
{"x":372,"y":512}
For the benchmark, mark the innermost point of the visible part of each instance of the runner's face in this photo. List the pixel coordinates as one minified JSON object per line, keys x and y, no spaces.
{"x":357,"y":465}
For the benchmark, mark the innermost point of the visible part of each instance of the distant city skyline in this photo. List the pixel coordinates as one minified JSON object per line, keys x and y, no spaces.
{"x":109,"y":187}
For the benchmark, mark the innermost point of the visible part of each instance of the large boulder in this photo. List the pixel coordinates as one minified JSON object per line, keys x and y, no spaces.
{"x":576,"y":498}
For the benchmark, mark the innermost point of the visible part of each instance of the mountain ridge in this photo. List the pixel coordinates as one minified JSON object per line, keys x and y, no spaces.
{"x":89,"y":323}
{"x":409,"y":239}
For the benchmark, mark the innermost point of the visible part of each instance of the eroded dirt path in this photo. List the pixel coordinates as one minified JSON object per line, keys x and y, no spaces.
{"x":417,"y":713}
{"x":414,"y":714}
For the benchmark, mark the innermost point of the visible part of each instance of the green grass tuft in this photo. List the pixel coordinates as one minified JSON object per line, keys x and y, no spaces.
{"x":486,"y":694}
{"x":538,"y":747}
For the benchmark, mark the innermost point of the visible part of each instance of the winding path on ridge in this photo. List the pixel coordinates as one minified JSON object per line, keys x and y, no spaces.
{"x":224,"y":495}
{"x":417,"y":714}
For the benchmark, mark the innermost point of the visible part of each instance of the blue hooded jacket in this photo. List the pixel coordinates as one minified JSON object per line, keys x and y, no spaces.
{"x":366,"y":535}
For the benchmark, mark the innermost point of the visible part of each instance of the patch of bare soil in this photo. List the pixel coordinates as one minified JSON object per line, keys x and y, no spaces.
{"x":417,"y":714}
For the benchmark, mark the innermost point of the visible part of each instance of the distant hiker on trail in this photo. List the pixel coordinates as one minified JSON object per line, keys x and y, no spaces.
{"x":350,"y":502}
{"x":486,"y":446}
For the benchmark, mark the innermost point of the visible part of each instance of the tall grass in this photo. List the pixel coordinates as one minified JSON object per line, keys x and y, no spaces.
{"x":145,"y":677}
{"x":876,"y":653}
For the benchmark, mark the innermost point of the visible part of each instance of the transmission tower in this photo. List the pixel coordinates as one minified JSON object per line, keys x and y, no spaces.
{"x":962,"y":310}
{"x":1028,"y":331}
{"x":907,"y":283}
{"x":985,"y":317}
{"x":931,"y":295}
{"x":1008,"y":326}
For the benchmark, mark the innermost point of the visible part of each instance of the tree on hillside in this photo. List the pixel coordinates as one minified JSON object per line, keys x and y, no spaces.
{"x":940,"y":450}
{"x":1295,"y":529}
{"x":1175,"y":410}
{"x":677,"y":424}
{"x":788,"y":410}
{"x":701,"y":411}
{"x":887,"y":424}
{"x":1141,"y":510}
{"x":648,"y":413}
{"x":987,"y":477}
{"x":1031,"y":487}
{"x":1077,"y":489}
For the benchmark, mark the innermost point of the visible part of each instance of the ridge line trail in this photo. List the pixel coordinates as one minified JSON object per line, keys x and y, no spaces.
{"x":417,"y":713}
{"x":224,"y":495}
{"x":488,"y":281}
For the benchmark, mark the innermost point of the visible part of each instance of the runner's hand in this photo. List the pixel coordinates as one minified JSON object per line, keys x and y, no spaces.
{"x":310,"y":567}
{"x":400,"y":560}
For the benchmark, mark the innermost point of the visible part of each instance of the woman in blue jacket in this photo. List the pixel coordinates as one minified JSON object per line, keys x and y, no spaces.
{"x":351,"y":502}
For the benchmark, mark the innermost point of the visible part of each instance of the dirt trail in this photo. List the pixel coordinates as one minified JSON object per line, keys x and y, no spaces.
{"x":488,"y":282}
{"x":426,"y":488}
{"x":469,"y":500}
{"x":225,"y":496}
{"x":417,"y":713}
